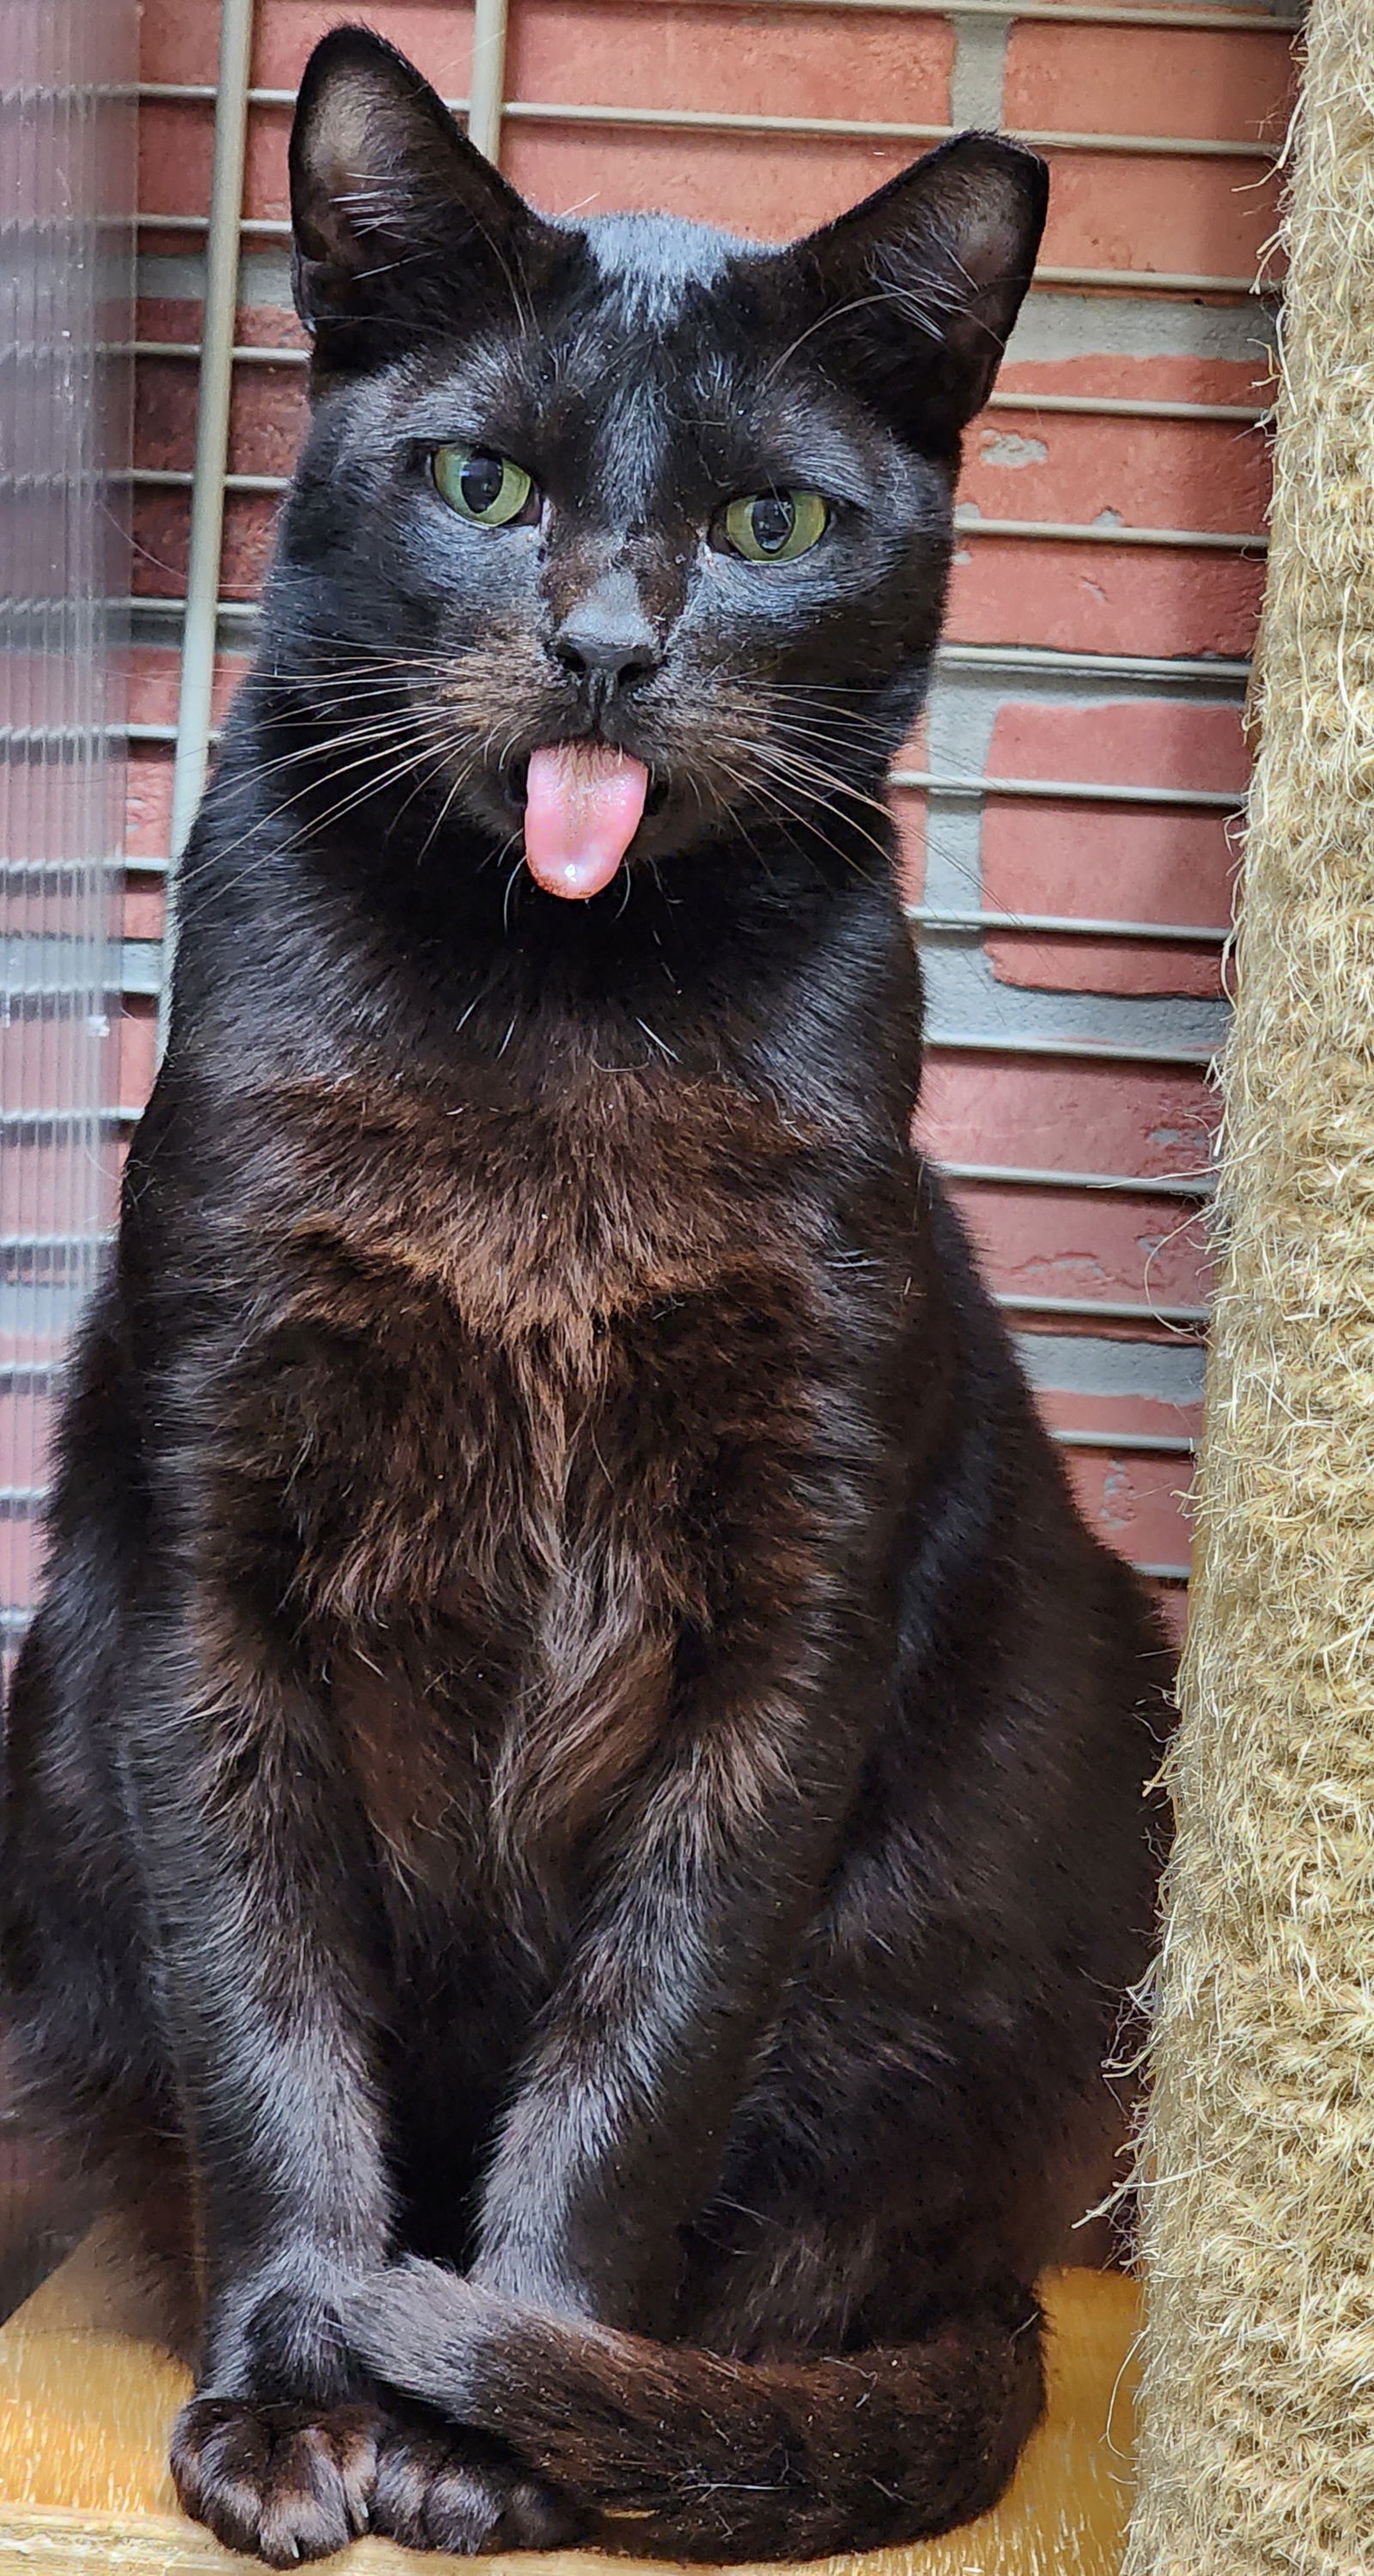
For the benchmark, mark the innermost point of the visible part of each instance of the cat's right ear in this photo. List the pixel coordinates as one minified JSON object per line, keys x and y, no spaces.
{"x":401,"y":228}
{"x":915,"y":291}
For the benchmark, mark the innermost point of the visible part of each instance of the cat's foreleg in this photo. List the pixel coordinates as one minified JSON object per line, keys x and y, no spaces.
{"x":254,"y":1902}
{"x":614,"y":2137}
{"x":710,"y":1858}
{"x":258,"y":1877}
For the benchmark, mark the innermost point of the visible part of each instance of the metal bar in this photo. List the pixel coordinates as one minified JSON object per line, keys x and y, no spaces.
{"x":1083,"y":791}
{"x":167,"y":478}
{"x":724,"y":120}
{"x":1166,"y":1573}
{"x":1092,"y":666}
{"x":212,"y":453}
{"x":1069,"y":791}
{"x":991,"y":658}
{"x":1161,"y":281}
{"x":1167,"y":1444}
{"x":969,"y":522}
{"x":1111,"y":1310}
{"x":129,"y":1113}
{"x":966,"y":523}
{"x":1025,"y":1176}
{"x":80,"y":1242}
{"x":246,"y":354}
{"x":14,"y":1122}
{"x":1070,"y":925}
{"x":1181,"y":20}
{"x":488,"y":78}
{"x":1094,"y":1050}
{"x":1122,"y":407}
{"x":1108,"y":406}
{"x":1053,"y":924}
{"x":879,"y":130}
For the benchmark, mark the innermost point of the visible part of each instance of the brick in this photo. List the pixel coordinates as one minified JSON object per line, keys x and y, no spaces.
{"x":1088,"y":598}
{"x":1146,"y":473}
{"x":437,"y":35}
{"x":179,"y":38}
{"x":160,"y":521}
{"x":165,"y":410}
{"x":148,"y":804}
{"x":272,"y":326}
{"x":137,"y":1049}
{"x":175,"y":145}
{"x":1134,"y":1503}
{"x":766,"y":189}
{"x":771,"y":62}
{"x":1066,"y":1408}
{"x":1130,"y":863}
{"x":35,"y":1173}
{"x":1076,"y":1243}
{"x":1038,"y":960}
{"x":1204,"y":218}
{"x":1066,"y":1114}
{"x":154,"y":674}
{"x":770,"y":186}
{"x":1155,"y":375}
{"x":1228,"y":84}
{"x":909,"y":811}
{"x":268,"y":420}
{"x":144,"y":908}
{"x":249,"y":529}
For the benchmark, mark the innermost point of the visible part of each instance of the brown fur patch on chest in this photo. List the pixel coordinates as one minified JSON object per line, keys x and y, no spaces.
{"x":538,"y":1218}
{"x":488,"y":1398}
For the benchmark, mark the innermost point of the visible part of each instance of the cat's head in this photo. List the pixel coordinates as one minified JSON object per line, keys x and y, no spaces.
{"x":622,"y":482}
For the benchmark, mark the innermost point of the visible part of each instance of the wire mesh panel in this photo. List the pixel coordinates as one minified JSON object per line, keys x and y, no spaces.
{"x":67,"y":70}
{"x":1065,"y":808}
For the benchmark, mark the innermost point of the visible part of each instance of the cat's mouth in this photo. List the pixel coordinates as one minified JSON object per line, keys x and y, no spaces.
{"x":583,"y":804}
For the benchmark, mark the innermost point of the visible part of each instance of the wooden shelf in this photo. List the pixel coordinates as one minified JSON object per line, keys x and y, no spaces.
{"x":85,"y":2405}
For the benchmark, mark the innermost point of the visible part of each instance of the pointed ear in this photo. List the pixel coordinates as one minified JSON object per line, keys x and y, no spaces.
{"x":918,"y":287}
{"x":400,"y":227}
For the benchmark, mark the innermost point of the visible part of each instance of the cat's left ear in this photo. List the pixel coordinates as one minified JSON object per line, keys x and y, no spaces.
{"x":400,"y":227}
{"x":917,"y":288}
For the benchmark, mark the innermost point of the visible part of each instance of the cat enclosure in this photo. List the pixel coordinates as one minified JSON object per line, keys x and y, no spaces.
{"x":1067,"y":807}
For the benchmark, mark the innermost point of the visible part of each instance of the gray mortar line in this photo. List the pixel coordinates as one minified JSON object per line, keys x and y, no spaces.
{"x":980,"y":62}
{"x":1070,"y":1364}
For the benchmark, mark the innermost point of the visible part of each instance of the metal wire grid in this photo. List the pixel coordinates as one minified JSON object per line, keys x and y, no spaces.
{"x":208,"y":621}
{"x":66,"y":276}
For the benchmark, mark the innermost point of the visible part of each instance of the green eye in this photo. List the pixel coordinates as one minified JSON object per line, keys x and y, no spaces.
{"x":776,"y":527}
{"x":480,"y":486}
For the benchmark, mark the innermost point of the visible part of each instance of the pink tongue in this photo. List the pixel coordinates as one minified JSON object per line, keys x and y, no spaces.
{"x":583,"y":803}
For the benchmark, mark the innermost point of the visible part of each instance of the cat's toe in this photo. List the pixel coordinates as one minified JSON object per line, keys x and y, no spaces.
{"x":441,"y":2487}
{"x":282,"y":2483}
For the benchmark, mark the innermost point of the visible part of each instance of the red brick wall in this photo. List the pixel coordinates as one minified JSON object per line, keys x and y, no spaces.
{"x":1013,"y":1093}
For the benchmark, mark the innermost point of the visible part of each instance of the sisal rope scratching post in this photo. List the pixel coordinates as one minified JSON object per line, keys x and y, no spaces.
{"x":1257,"y":2448}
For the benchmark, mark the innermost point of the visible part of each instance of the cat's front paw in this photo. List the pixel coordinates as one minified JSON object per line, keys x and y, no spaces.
{"x":284,"y":2483}
{"x":440,"y":2487}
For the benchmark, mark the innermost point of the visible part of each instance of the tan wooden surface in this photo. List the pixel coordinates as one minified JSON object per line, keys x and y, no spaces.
{"x":85,"y":2408}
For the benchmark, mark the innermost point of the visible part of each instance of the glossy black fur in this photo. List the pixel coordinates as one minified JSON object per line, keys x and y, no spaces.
{"x":574,"y":1730}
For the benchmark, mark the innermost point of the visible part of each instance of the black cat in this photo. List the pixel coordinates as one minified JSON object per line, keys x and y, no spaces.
{"x":574,"y":1728}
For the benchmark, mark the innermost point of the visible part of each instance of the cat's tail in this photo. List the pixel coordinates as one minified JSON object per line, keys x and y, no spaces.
{"x":717,"y":2459}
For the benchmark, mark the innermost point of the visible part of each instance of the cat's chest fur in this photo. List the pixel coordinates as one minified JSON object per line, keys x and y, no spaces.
{"x":517,"y":1376}
{"x":528,"y":1218}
